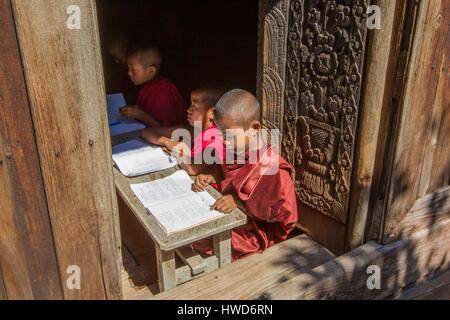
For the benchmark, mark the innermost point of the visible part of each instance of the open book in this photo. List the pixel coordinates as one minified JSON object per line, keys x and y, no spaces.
{"x":135,"y":158}
{"x":117,"y":123}
{"x":173,"y":203}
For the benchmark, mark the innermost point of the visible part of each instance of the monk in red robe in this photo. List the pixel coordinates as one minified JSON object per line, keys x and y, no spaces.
{"x":256,"y":178}
{"x":159,"y":102}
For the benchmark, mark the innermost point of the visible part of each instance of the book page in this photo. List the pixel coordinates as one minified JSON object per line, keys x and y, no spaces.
{"x":185,"y":213}
{"x":118,"y":124}
{"x":167,"y":189}
{"x":135,"y":158}
{"x":173,"y":203}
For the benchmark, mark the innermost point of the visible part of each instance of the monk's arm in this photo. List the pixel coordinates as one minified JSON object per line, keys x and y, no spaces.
{"x":160,"y":136}
{"x":148,"y":120}
{"x":194,"y":169}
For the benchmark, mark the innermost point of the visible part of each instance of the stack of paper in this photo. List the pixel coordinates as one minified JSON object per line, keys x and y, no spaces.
{"x":173,"y":203}
{"x":117,"y":123}
{"x":135,"y":158}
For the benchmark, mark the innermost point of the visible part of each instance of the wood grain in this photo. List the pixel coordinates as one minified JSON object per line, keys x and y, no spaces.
{"x":417,"y":114}
{"x":250,"y":277}
{"x":27,"y":255}
{"x":63,"y":70}
{"x":402,"y":263}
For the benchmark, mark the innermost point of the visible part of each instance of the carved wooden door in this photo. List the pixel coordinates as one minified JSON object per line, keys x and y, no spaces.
{"x":311,"y":56}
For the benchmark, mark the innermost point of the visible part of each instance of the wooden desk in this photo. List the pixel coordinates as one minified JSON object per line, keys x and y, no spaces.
{"x":168,"y":244}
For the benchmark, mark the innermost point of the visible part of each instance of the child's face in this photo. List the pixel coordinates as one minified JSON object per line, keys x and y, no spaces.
{"x":118,"y":53}
{"x":237,"y":138}
{"x":138,"y":73}
{"x":199,"y":111}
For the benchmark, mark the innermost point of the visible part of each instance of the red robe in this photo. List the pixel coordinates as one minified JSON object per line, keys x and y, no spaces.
{"x":270,"y":201}
{"x":161,"y":99}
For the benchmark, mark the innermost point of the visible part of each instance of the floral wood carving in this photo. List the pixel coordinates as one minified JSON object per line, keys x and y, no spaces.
{"x":326,"y":71}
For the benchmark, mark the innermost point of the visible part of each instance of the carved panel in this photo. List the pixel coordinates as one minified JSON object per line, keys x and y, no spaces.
{"x":325,"y":53}
{"x":273,"y":28}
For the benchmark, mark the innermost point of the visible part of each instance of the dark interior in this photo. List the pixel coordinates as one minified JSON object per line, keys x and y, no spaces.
{"x":202,"y":41}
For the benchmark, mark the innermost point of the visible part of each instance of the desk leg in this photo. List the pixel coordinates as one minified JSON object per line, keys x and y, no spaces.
{"x":166,"y":269}
{"x":222,"y":248}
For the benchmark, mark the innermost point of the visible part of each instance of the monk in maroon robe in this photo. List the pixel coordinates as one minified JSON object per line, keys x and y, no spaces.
{"x":159,"y":102}
{"x":261,"y":180}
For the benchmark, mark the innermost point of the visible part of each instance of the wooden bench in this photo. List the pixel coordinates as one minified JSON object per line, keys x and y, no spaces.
{"x":250,"y":277}
{"x":178,"y":243}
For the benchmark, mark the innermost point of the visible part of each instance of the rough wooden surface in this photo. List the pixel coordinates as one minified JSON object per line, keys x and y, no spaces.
{"x":64,"y":76}
{"x":420,"y":115}
{"x":27,"y":256}
{"x":377,"y":89}
{"x":402,"y":262}
{"x":250,"y":277}
{"x":178,"y":239}
{"x":436,"y":288}
{"x":195,"y":262}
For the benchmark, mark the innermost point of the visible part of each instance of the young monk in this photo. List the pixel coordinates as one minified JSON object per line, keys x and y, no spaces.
{"x":261,"y":182}
{"x":159,"y":102}
{"x":208,"y":142}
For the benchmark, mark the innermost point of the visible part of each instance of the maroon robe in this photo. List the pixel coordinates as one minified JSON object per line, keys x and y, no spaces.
{"x":161,"y":99}
{"x":270,"y":201}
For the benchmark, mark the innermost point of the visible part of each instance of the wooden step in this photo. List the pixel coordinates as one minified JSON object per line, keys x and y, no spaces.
{"x":250,"y":277}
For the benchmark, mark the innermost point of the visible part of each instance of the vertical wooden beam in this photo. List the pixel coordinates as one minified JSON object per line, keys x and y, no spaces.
{"x":378,"y":85}
{"x":222,"y":248}
{"x":64,"y":74}
{"x":166,"y":269}
{"x":28,"y":262}
{"x":417,"y":112}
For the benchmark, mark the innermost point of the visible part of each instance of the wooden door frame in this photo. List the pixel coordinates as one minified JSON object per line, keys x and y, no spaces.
{"x":61,"y":145}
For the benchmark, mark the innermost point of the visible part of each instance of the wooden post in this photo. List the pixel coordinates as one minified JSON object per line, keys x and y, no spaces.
{"x":63,"y":70}
{"x":222,"y":248}
{"x":166,"y":269}
{"x":28,"y":262}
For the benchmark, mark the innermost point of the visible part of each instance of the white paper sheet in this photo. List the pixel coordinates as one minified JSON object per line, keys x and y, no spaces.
{"x":135,"y":158}
{"x":173,"y":203}
{"x":118,"y":124}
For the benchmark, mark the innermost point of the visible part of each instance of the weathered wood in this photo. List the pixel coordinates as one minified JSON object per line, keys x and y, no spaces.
{"x":250,"y":277}
{"x":184,"y":273}
{"x":437,"y":288}
{"x":177,"y":239}
{"x":417,"y":113}
{"x":222,"y":247}
{"x":192,"y":259}
{"x":382,"y":55}
{"x":63,"y":70}
{"x":3,"y":295}
{"x":426,"y":212}
{"x":27,"y":256}
{"x":401,"y":263}
{"x":166,"y":269}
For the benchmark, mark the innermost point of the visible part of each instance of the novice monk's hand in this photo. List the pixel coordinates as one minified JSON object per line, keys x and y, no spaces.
{"x":202,"y":181}
{"x":226,"y":204}
{"x":131,"y":112}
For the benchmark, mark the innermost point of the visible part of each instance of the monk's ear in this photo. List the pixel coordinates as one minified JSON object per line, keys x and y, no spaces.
{"x":256,"y":126}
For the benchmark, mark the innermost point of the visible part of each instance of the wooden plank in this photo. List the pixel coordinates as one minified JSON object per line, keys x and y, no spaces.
{"x":166,"y":269}
{"x":382,"y":57}
{"x":192,"y":259}
{"x":3,"y":295}
{"x":403,"y":262}
{"x":250,"y":277}
{"x":64,"y":75}
{"x":222,"y":247}
{"x":440,"y":166}
{"x":184,"y":273}
{"x":177,"y":239}
{"x":28,"y":260}
{"x":437,"y":288}
{"x":417,"y":114}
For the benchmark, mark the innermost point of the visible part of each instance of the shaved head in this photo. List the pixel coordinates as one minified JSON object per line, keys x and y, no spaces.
{"x":148,"y":55}
{"x":239,"y":106}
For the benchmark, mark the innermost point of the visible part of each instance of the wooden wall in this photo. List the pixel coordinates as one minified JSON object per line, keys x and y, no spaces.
{"x":59,"y":207}
{"x":419,"y":183}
